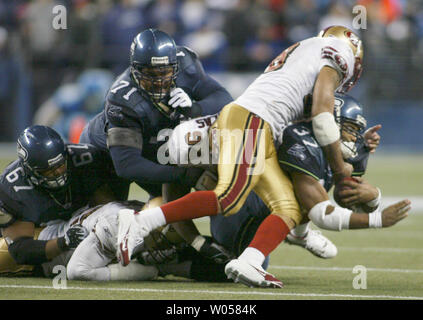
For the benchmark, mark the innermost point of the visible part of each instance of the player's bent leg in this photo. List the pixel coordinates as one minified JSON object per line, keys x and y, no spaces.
{"x":276,"y":190}
{"x":89,"y":261}
{"x":313,"y":241}
{"x":245,"y":140}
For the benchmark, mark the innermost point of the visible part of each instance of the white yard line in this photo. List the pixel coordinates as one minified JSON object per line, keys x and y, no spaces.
{"x":376,"y":249}
{"x":258,"y":293}
{"x":344,"y":269}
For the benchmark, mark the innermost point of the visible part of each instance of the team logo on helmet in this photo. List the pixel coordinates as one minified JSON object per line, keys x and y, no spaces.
{"x":22,"y":152}
{"x":352,"y":37}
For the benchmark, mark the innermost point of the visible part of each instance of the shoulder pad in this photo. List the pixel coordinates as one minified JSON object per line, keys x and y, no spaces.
{"x":300,"y":152}
{"x":187,"y":59}
{"x":121,"y":116}
{"x":183,"y":50}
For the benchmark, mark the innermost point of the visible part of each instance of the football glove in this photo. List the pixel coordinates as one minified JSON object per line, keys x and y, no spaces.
{"x":179,"y":98}
{"x":73,"y":237}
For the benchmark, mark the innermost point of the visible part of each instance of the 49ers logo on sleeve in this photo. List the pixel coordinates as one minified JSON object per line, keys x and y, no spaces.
{"x":333,"y":54}
{"x":280,"y":60}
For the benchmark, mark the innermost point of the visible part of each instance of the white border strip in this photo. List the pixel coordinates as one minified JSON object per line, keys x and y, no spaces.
{"x":260,"y":293}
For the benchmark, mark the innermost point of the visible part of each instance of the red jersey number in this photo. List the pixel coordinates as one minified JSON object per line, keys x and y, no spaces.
{"x":279,"y":61}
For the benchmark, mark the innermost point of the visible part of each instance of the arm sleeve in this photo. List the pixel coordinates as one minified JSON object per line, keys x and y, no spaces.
{"x":129,"y":164}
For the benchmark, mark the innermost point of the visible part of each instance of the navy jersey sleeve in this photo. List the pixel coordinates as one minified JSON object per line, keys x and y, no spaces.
{"x":203,"y":89}
{"x":300,"y":152}
{"x":359,"y":163}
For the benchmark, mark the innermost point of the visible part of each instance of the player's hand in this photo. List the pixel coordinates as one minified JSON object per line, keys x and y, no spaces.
{"x":75,"y":235}
{"x":179,"y":98}
{"x":355,"y":191}
{"x":396,"y":212}
{"x":155,"y":257}
{"x":214,"y":251}
{"x":372,"y":138}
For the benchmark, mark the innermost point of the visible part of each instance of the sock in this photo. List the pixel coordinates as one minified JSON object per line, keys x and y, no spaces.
{"x":194,"y":205}
{"x":301,"y":231}
{"x":133,"y":271}
{"x":271,"y":232}
{"x":151,"y":218}
{"x":252,"y":256}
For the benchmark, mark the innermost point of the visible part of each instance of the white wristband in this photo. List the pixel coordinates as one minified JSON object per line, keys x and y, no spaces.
{"x":325,"y":128}
{"x":198,"y":242}
{"x":375,"y":219}
{"x":375,"y":202}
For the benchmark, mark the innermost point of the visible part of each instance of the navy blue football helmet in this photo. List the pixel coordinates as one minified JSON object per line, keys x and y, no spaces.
{"x":43,"y":156}
{"x":349,"y":117}
{"x":153,"y":63}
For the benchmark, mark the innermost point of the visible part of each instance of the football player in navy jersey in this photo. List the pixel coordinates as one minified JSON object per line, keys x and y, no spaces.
{"x":49,"y":181}
{"x":163,"y":83}
{"x":302,"y":158}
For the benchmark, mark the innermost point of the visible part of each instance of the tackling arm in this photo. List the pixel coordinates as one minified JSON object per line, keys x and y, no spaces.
{"x":324,"y":126}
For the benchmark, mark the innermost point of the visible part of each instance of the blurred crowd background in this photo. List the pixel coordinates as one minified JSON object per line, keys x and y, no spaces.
{"x":58,"y":77}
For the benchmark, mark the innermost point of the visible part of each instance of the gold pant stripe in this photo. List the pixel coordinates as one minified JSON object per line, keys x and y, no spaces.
{"x":265,"y":176}
{"x":240,"y":190}
{"x":241,"y":178}
{"x":237,"y":166}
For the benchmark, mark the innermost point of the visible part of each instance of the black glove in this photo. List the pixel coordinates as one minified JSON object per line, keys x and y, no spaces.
{"x":155,"y":257}
{"x":73,"y":237}
{"x":190,"y":176}
{"x":211,"y":250}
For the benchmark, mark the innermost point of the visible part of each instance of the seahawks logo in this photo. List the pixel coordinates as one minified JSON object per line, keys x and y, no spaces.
{"x":22,"y":152}
{"x":297,"y":151}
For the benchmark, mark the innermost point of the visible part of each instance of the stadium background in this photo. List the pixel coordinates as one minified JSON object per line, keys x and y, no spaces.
{"x":235,"y":40}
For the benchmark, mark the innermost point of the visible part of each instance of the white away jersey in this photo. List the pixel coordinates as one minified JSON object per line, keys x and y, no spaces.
{"x":189,"y":144}
{"x":277,"y":95}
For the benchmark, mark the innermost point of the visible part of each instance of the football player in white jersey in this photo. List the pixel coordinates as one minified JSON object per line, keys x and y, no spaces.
{"x":311,"y":70}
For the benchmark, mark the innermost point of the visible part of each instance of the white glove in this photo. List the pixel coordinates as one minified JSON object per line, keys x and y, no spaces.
{"x":179,"y":98}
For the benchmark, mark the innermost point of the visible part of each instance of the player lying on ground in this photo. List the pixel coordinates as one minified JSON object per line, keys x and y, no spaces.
{"x":270,"y":103}
{"x":49,"y":181}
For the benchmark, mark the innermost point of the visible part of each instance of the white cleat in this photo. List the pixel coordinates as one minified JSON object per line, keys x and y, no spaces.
{"x":315,"y":242}
{"x":241,"y":271}
{"x":128,"y":237}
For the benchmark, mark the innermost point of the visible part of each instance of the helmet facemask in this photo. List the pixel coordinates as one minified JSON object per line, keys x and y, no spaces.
{"x":53,"y":177}
{"x":156,"y":81}
{"x":351,"y":137}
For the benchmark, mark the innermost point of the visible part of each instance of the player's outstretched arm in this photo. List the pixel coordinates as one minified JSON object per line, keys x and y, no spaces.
{"x":314,"y":200}
{"x":325,"y":128}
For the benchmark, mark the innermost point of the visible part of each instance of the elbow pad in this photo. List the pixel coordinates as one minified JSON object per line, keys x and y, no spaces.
{"x":124,"y":137}
{"x":325,"y":129}
{"x":26,"y":250}
{"x":337,"y":220}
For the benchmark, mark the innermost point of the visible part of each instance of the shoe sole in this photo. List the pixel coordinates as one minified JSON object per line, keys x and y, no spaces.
{"x":238,"y":277}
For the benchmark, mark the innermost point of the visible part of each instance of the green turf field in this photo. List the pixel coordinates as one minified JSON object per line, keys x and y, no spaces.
{"x":393,"y":259}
